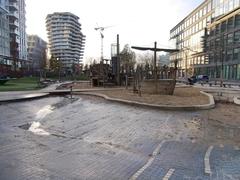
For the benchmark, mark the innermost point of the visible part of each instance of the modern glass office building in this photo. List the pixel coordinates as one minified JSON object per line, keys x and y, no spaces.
{"x":4,"y":37}
{"x":66,"y":41}
{"x":37,"y":52}
{"x":192,"y":36}
{"x":13,"y":44}
{"x":18,"y":36}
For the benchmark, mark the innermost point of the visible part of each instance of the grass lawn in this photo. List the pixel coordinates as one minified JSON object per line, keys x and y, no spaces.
{"x":21,"y":84}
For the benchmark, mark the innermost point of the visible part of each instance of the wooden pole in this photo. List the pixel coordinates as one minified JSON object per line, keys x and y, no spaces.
{"x":155,"y":61}
{"x":154,"y":65}
{"x":118,"y":61}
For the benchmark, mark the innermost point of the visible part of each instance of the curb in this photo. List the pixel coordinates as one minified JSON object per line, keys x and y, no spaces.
{"x":210,"y":105}
{"x":68,"y":91}
{"x":27,"y":98}
{"x":236,"y":100}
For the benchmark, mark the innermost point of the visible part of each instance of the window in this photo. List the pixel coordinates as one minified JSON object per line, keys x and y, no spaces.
{"x":204,"y":10}
{"x":229,"y":55}
{"x":237,"y":21}
{"x":236,"y":3}
{"x":209,"y":7}
{"x":217,"y":28}
{"x":237,"y":37}
{"x":201,"y":13}
{"x":224,"y":26}
{"x":230,"y":38}
{"x":236,"y":53}
{"x":230,"y":23}
{"x":217,"y":42}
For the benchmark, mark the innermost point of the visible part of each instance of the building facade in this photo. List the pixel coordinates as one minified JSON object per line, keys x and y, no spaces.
{"x":4,"y":38}
{"x":222,"y":47}
{"x":18,"y":36}
{"x":190,"y":36}
{"x":66,"y":41}
{"x":37,"y":52}
{"x":13,"y":42}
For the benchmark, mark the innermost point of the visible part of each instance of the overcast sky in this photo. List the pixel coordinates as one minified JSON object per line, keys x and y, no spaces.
{"x":138,"y":22}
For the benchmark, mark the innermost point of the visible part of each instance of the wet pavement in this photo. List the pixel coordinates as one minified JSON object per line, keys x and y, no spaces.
{"x":90,"y":138}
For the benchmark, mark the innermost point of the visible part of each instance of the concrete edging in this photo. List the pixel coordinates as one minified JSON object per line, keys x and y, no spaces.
{"x":19,"y":99}
{"x":210,"y":105}
{"x":236,"y":100}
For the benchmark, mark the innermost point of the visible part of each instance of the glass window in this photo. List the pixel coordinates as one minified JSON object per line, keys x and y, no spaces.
{"x":238,"y":72}
{"x":237,"y":21}
{"x":200,"y":25}
{"x":230,"y":38}
{"x":209,"y":7}
{"x":236,"y":53}
{"x":230,"y":5}
{"x":230,"y":23}
{"x":204,"y":10}
{"x":229,"y":54}
{"x":200,"y":13}
{"x":217,"y":42}
{"x":236,"y":3}
{"x":237,"y":37}
{"x":217,"y":29}
{"x":224,"y":26}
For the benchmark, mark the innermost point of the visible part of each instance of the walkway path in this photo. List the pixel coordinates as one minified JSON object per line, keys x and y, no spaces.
{"x":89,"y":138}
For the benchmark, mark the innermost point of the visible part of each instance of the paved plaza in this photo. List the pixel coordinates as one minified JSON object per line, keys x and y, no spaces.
{"x":90,"y":138}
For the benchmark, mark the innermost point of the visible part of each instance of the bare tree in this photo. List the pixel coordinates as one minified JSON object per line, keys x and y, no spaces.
{"x":128,"y":59}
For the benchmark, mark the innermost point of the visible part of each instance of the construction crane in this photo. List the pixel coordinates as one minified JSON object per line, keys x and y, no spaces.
{"x":101,"y":29}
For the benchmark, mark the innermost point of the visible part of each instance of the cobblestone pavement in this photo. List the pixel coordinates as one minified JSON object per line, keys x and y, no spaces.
{"x":90,"y":138}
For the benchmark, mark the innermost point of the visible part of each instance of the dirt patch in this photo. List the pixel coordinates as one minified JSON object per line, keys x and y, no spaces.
{"x":222,"y":124}
{"x":181,"y":97}
{"x":225,"y":114}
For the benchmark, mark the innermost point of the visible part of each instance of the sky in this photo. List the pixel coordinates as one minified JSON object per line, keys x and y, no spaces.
{"x":138,"y":22}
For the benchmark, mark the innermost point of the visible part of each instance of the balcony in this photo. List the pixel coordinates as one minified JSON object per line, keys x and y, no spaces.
{"x":13,"y":14}
{"x":14,"y":31}
{"x":13,"y":24}
{"x":13,"y":6}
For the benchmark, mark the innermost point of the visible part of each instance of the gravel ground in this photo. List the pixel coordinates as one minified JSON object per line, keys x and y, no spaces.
{"x":182,"y":96}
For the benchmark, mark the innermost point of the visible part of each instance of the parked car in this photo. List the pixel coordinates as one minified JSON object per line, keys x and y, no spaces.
{"x":203,"y":78}
{"x":198,"y":78}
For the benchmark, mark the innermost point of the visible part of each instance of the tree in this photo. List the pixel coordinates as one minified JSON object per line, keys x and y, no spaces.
{"x":146,"y":58}
{"x":128,"y":59}
{"x":54,"y":64}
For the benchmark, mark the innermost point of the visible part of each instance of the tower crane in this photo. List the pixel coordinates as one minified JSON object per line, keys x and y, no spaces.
{"x":101,"y":29}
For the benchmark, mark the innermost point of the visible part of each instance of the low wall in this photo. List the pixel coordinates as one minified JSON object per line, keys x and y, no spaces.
{"x":161,"y":86}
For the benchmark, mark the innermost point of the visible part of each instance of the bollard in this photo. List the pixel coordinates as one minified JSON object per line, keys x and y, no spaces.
{"x":139,"y":90}
{"x":71,"y":91}
{"x":126,"y":81}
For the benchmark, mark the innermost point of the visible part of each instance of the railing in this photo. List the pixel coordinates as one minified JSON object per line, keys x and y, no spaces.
{"x":12,"y":4}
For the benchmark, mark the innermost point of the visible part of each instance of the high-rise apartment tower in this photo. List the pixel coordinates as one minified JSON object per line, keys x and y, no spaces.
{"x":66,"y":41}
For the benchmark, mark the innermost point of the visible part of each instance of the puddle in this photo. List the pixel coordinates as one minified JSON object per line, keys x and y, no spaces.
{"x":44,"y":112}
{"x":25,"y":126}
{"x":64,"y":102}
{"x":34,"y":127}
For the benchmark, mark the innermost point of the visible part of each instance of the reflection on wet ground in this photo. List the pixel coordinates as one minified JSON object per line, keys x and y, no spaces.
{"x":90,"y":138}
